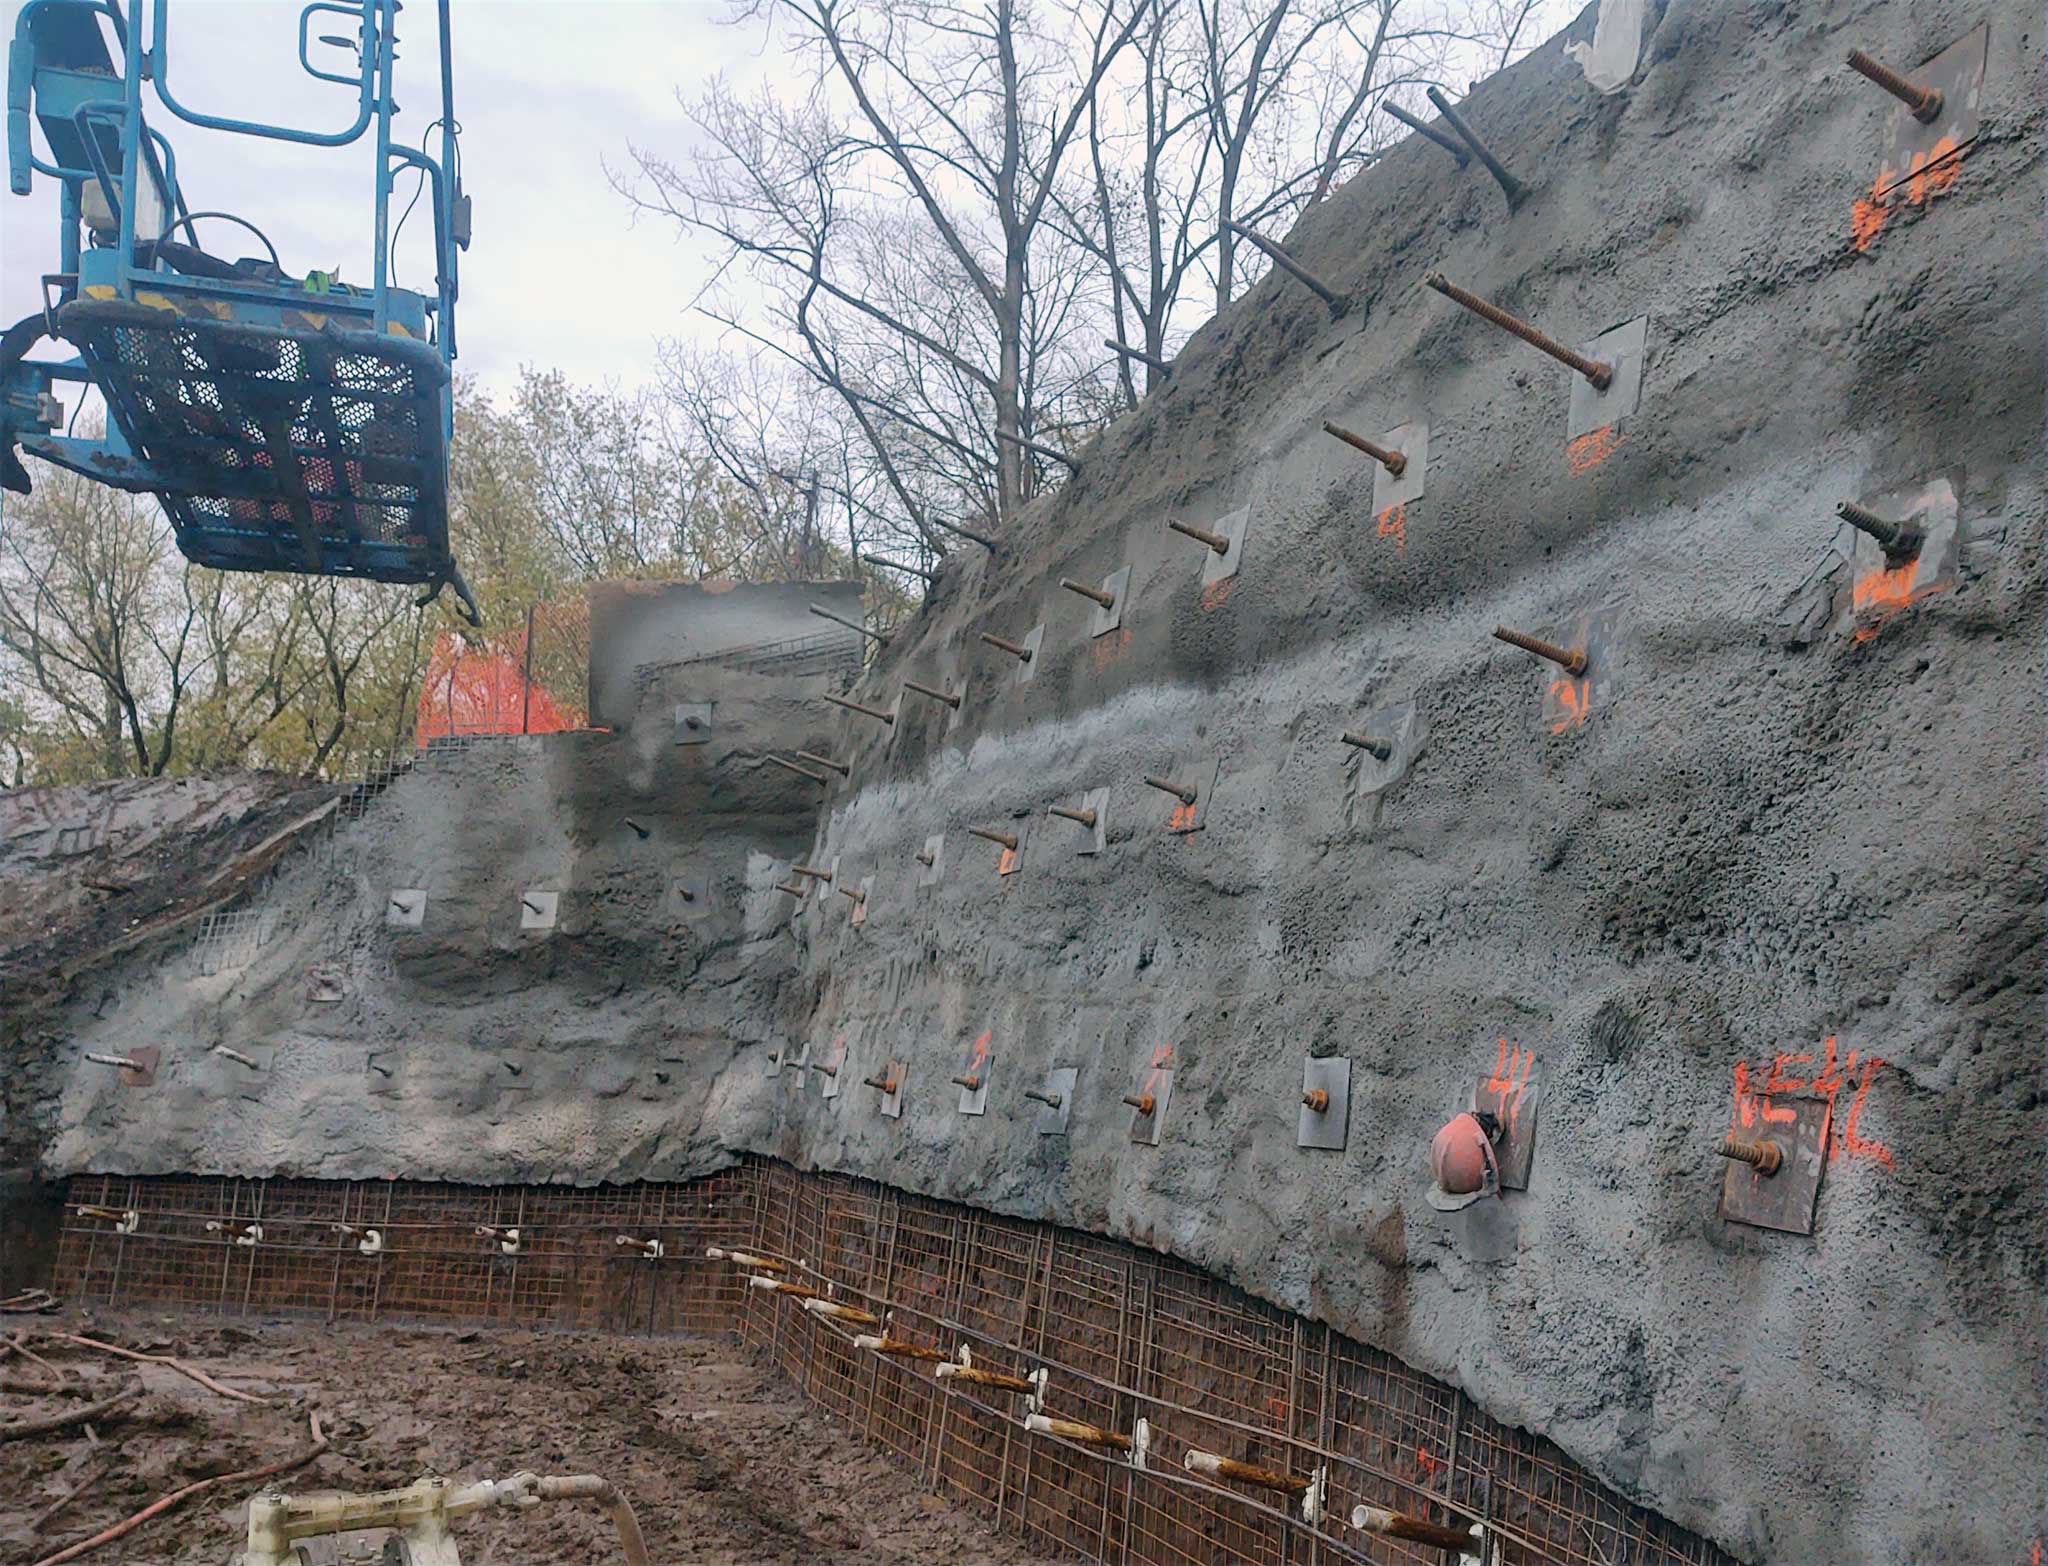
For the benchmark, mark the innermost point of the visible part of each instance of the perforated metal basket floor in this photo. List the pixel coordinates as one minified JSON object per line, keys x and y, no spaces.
{"x":315,"y":450}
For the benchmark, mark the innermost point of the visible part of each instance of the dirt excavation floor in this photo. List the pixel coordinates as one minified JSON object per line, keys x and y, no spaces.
{"x":720,"y":1457}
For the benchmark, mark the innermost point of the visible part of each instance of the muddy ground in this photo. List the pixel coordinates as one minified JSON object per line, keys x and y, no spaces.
{"x":721,"y":1458}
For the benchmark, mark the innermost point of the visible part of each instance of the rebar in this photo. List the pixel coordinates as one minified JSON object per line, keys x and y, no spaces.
{"x":1512,"y":188}
{"x":1900,"y":541}
{"x":1766,"y":1158}
{"x":1085,"y":817}
{"x":824,"y":1070}
{"x":1074,"y":1430}
{"x":897,"y":1348}
{"x":1423,"y":128}
{"x":839,"y":767}
{"x":1398,"y":1525}
{"x":639,"y":831}
{"x":1015,"y":439}
{"x":1180,"y":791}
{"x":1202,"y":535}
{"x":1925,"y":102}
{"x":852,"y":625}
{"x":1338,"y":303}
{"x":795,"y":889}
{"x":811,"y":872}
{"x":866,"y":712}
{"x":1050,"y":1100}
{"x":926,"y":858}
{"x":1006,"y":839}
{"x":1215,"y":1466}
{"x":998,"y":1380}
{"x":1096,"y":594}
{"x":854,"y":894}
{"x":1395,"y":462}
{"x":1139,"y":354}
{"x":950,"y":698}
{"x":802,"y":772}
{"x":1601,"y":375}
{"x":1016,"y":650}
{"x":1378,"y":749}
{"x":1571,"y":659}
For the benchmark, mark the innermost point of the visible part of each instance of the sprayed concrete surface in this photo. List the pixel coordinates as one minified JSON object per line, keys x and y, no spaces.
{"x":1784,"y":822}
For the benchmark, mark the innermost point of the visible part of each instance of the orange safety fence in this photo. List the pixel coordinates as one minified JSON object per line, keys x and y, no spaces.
{"x":529,"y":680}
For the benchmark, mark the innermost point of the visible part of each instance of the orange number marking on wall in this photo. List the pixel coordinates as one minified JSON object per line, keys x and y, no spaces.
{"x":1393,"y":523}
{"x":1586,"y":452}
{"x":1214,"y":594}
{"x":981,"y":1049}
{"x":1576,"y":697}
{"x":1931,"y":173}
{"x":1510,"y":1078}
{"x":1754,"y":1103}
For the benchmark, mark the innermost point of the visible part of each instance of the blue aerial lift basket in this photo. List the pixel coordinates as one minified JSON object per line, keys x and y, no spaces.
{"x":285,"y":423}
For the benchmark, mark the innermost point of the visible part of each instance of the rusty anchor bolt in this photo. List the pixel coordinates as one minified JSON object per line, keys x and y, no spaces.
{"x":881,"y":1082}
{"x":1512,"y":188}
{"x":795,"y":888}
{"x":1337,"y":302}
{"x":824,"y":1070}
{"x":926,"y":858}
{"x":1074,"y":1430}
{"x":1219,"y":1467}
{"x":1202,"y":535}
{"x":1006,"y":839}
{"x":967,"y":1079}
{"x":1016,"y":650}
{"x":839,"y":767}
{"x":1601,"y":375}
{"x":1423,"y":128}
{"x":1764,"y":1157}
{"x":1001,"y":1381}
{"x":686,"y":894}
{"x":802,"y":772}
{"x":866,"y":712}
{"x":1378,"y":749}
{"x":1050,"y":1100}
{"x":531,"y":906}
{"x":1925,"y":102}
{"x":1095,"y":594}
{"x":1085,"y":817}
{"x":639,"y":831}
{"x":897,"y":1348}
{"x":1900,"y":541}
{"x":125,"y":1062}
{"x":1179,"y":791}
{"x":1143,"y":1103}
{"x":1395,"y":462}
{"x":1399,"y":1525}
{"x":1317,"y":1100}
{"x":950,"y":698}
{"x":855,"y":893}
{"x":1571,"y":659}
{"x":1128,"y":352}
{"x":812,"y":872}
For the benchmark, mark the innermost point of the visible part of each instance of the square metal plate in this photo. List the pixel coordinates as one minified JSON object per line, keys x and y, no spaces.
{"x":1201,"y":773}
{"x":1102,"y":621}
{"x":689,"y":896}
{"x":1510,"y":1091}
{"x":1879,"y":592}
{"x":1087,"y":840}
{"x":801,"y":1066}
{"x":1158,"y":1081}
{"x":771,"y":1066}
{"x":406,"y":908}
{"x":979,"y":1061}
{"x":326,"y":983}
{"x":860,"y":908}
{"x":537,"y":910}
{"x":1232,"y":525}
{"x":835,"y":1060}
{"x":1332,"y":1127}
{"x":693,"y":722}
{"x":957,"y":685}
{"x":1570,"y":699}
{"x":1027,"y":668}
{"x":1404,"y":729}
{"x":1412,"y":441}
{"x":892,"y":1103}
{"x":147,"y":1058}
{"x":1010,"y":860}
{"x":1591,"y":408}
{"x":929,"y":874}
{"x":1786,"y":1200}
{"x":1060,"y":1082}
{"x":1909,"y":147}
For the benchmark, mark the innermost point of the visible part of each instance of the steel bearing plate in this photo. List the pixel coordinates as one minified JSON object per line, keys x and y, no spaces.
{"x":892,"y":1102}
{"x":1910,"y":148}
{"x":1786,"y":1200}
{"x":1034,"y":640}
{"x":1087,"y":839}
{"x":142,"y":1074}
{"x":1102,"y":621}
{"x":693,"y":722}
{"x":1332,"y":1127}
{"x":689,"y":896}
{"x":1146,"y":1129}
{"x":980,"y":1060}
{"x":1412,"y":441}
{"x":935,"y":847}
{"x":833,"y":1066}
{"x":1010,"y":860}
{"x":1570,"y":699}
{"x":1591,"y":408}
{"x":1059,"y":1082}
{"x":1232,"y":525}
{"x":1879,"y":589}
{"x":1510,"y":1092}
{"x":1200,"y":772}
{"x":1401,"y":727}
{"x":860,"y":907}
{"x":406,"y":908}
{"x":537,"y":910}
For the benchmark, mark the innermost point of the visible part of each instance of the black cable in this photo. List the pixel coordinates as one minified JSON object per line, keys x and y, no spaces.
{"x":420,"y":184}
{"x":189,"y":218}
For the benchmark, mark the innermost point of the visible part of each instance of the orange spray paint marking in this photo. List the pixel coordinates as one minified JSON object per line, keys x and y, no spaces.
{"x":1576,"y":698}
{"x":1007,"y":862}
{"x":1427,"y":1462}
{"x":1752,"y":1102}
{"x":1182,"y":819}
{"x":981,"y":1049}
{"x":1884,"y":593}
{"x":1107,"y":649}
{"x":1586,"y":452}
{"x":1867,"y":217}
{"x":1214,"y":594}
{"x":1393,"y":523}
{"x":1847,"y":1142}
{"x":1510,"y":1078}
{"x":1931,"y":173}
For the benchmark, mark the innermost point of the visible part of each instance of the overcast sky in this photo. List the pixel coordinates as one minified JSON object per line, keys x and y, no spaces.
{"x":558,"y":275}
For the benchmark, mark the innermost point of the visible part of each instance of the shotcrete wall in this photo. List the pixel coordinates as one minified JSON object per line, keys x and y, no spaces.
{"x":1787,"y":829}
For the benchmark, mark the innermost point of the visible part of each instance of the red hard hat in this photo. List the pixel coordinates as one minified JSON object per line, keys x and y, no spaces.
{"x":1462,"y":1158}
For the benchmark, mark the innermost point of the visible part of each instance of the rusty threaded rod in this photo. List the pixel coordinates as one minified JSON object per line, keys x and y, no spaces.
{"x":1202,"y":535}
{"x":839,"y":767}
{"x":795,"y":889}
{"x":1074,"y":1430}
{"x":1900,"y":541}
{"x":1764,"y":1157}
{"x":1512,"y":188}
{"x":1181,"y":792}
{"x":1395,"y":462}
{"x":1085,"y":817}
{"x":926,"y":859}
{"x":795,"y":1291}
{"x":1218,"y":1467}
{"x":852,"y":625}
{"x":1378,"y":749}
{"x":897,"y":1348}
{"x":1571,"y":659}
{"x":1399,"y":1525}
{"x":1107,"y":600}
{"x":812,"y":872}
{"x":1601,"y":375}
{"x":1337,"y":302}
{"x":950,"y":698}
{"x":881,"y":1082}
{"x":1143,"y":1103}
{"x":1016,"y":650}
{"x":974,"y":1375}
{"x":1423,"y":128}
{"x":1317,"y":1100}
{"x":802,"y":772}
{"x":850,"y":1313}
{"x":866,"y":712}
{"x":1007,"y":839}
{"x":853,"y":892}
{"x":1139,"y":354}
{"x":1050,"y":1100}
{"x":1925,"y":102}
{"x":968,"y":1080}
{"x":822,"y":1068}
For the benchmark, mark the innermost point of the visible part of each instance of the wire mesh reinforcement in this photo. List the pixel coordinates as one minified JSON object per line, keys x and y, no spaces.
{"x":1125,"y":1333}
